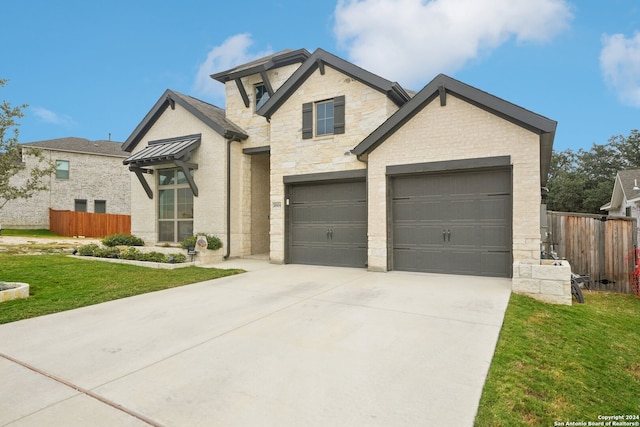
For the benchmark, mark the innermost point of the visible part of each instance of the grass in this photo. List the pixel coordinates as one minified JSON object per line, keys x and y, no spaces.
{"x":28,"y":233}
{"x":59,"y":283}
{"x":564,"y":363}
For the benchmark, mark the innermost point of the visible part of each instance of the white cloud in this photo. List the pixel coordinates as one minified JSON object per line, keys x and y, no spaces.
{"x":620,"y":64}
{"x":49,"y":116}
{"x":413,"y":40}
{"x":232,"y":52}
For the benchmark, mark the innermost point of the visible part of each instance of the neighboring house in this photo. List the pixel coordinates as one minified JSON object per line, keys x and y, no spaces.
{"x":625,"y":198}
{"x":89,"y":177}
{"x":318,"y":161}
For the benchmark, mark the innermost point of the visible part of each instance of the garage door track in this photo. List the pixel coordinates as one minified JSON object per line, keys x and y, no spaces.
{"x":281,"y":345}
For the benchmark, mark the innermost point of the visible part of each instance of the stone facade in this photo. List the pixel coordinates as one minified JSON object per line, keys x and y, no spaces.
{"x":88,"y":173}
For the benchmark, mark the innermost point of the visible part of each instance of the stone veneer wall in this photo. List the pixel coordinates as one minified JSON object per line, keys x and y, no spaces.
{"x":549,"y":281}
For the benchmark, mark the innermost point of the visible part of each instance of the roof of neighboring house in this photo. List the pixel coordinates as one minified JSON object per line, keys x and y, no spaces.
{"x":276,"y":60}
{"x":442,"y":85}
{"x":80,"y":145}
{"x":318,"y":60}
{"x":212,"y":116}
{"x":624,"y":188}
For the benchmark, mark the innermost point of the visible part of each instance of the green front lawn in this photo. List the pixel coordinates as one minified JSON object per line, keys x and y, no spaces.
{"x":27,"y":233}
{"x":59,"y":282}
{"x":564,"y":363}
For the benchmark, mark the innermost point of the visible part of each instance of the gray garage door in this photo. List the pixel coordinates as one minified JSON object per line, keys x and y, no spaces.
{"x":327,"y":224}
{"x":458,"y":223}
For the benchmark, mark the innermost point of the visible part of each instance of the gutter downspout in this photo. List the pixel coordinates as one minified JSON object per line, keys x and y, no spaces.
{"x":228,"y":251}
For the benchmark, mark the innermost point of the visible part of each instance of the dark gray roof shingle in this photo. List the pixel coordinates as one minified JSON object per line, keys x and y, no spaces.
{"x":80,"y":145}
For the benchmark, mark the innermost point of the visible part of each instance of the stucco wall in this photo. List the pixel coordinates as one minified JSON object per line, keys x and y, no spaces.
{"x":88,"y":178}
{"x":459,"y":131}
{"x":365,"y":109}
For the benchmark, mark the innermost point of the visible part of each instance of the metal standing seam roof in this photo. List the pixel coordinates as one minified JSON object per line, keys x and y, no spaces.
{"x":165,"y":150}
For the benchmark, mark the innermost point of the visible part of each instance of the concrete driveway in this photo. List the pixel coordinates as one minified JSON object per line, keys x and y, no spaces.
{"x":281,"y":345}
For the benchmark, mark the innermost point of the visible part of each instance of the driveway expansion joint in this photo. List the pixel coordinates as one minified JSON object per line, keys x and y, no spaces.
{"x":83,"y":390}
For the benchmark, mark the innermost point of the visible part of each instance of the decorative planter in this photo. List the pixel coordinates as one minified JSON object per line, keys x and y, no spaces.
{"x":13,"y":290}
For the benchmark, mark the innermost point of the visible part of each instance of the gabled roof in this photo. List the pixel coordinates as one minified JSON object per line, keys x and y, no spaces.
{"x":442,"y":85}
{"x":624,"y":188}
{"x":80,"y":145}
{"x":209,"y":114}
{"x":279,"y":59}
{"x":318,"y":60}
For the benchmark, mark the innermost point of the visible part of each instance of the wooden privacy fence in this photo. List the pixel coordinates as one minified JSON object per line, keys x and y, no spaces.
{"x":598,"y":245}
{"x":69,"y":223}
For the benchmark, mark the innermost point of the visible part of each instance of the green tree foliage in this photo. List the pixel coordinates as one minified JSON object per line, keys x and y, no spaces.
{"x":582,"y":181}
{"x":12,"y":162}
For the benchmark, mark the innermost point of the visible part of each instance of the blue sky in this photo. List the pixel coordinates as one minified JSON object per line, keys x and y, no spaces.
{"x":90,"y":69}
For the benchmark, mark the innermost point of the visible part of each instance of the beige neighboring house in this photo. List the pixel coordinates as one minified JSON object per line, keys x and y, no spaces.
{"x":318,"y":161}
{"x":89,"y":177}
{"x":625,"y":197}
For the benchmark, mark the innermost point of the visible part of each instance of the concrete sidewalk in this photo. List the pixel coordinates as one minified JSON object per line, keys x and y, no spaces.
{"x":281,"y":345}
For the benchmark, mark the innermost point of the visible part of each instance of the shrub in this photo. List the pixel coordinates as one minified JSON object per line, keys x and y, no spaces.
{"x":88,"y":250}
{"x":122,"y":240}
{"x":130,"y":253}
{"x":107,"y":252}
{"x":178,"y":258}
{"x":153,"y":257}
{"x":213,"y":242}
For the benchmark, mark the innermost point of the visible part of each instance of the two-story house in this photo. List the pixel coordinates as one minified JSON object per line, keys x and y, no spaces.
{"x":89,"y":177}
{"x":318,"y":161}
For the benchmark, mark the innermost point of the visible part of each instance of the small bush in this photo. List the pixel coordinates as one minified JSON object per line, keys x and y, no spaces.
{"x":177,"y":258}
{"x":130,"y":253}
{"x":122,"y":240}
{"x":107,"y":252}
{"x":153,"y":257}
{"x":213,"y":242}
{"x":88,"y":250}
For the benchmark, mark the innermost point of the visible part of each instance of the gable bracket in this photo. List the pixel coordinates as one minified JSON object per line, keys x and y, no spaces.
{"x":266,"y":82}
{"x":243,"y":92}
{"x":172,"y":102}
{"x":143,"y":181}
{"x":320,"y":65}
{"x":443,"y":95}
{"x":185,"y":169}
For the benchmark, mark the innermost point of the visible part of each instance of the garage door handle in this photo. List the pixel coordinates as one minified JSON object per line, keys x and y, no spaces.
{"x":444,"y":235}
{"x":448,"y":235}
{"x":329,"y":233}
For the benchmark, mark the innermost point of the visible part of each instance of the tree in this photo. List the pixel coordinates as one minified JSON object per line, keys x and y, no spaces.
{"x":13,"y":156}
{"x":582,"y":181}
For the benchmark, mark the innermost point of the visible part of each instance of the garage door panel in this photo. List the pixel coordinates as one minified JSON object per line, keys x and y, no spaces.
{"x":474,"y":210}
{"x":432,"y":261}
{"x":417,"y":210}
{"x":497,"y":264}
{"x":494,"y":237}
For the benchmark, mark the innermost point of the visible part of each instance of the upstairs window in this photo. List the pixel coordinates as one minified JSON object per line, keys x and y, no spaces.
{"x":62,"y":169}
{"x":262,"y":95}
{"x":325,"y":117}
